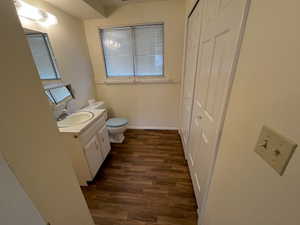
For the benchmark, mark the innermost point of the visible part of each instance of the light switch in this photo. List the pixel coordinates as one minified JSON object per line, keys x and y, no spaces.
{"x":275,"y":149}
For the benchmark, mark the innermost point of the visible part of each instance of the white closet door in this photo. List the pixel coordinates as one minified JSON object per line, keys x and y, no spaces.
{"x":219,"y":43}
{"x":192,"y":40}
{"x":15,"y":205}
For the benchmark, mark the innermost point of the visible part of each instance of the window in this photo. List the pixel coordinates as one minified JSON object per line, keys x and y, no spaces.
{"x":43,"y":56}
{"x":50,"y":96}
{"x":135,"y":51}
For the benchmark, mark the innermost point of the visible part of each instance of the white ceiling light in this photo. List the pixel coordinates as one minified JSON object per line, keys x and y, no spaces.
{"x":30,"y":12}
{"x":50,"y":20}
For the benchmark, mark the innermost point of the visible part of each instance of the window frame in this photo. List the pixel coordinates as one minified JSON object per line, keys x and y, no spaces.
{"x":50,"y":54}
{"x":133,"y":78}
{"x":48,"y":89}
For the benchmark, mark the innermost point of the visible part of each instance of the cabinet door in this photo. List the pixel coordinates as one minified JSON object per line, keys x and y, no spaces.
{"x":104,"y":140}
{"x":93,"y":155}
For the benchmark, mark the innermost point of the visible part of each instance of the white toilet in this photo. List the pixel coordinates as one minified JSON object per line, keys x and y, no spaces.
{"x":115,"y":126}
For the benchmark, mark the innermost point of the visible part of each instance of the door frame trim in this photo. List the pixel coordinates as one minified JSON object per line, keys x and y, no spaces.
{"x":193,"y":8}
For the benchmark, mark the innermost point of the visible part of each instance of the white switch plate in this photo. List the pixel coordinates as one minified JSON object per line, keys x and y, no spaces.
{"x":275,"y":149}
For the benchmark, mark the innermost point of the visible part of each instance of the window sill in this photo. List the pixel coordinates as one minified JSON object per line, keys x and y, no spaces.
{"x":138,"y":81}
{"x":53,"y":84}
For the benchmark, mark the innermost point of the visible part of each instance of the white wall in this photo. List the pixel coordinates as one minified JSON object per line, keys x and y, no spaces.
{"x":70,"y":49}
{"x":15,"y":207}
{"x":145,"y":105}
{"x":245,"y":190}
{"x":30,"y":141}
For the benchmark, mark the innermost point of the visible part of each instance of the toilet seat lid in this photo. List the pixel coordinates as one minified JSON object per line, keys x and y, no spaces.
{"x":116,"y":122}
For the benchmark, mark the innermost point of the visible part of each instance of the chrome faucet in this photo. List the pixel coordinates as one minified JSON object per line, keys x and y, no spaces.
{"x":63,"y":115}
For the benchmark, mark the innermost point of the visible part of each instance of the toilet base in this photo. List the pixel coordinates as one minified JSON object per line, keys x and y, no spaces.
{"x":116,"y":134}
{"x":117,"y":138}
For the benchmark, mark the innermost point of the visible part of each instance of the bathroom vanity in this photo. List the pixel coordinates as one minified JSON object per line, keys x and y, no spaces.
{"x":86,"y":142}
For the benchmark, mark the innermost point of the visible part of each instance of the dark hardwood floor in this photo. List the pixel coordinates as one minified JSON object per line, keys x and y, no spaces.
{"x":144,"y":181}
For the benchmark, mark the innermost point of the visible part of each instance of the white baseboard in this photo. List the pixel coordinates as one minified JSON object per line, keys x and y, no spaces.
{"x":152,"y":128}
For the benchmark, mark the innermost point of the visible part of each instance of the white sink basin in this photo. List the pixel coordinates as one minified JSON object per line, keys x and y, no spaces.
{"x":75,"y":119}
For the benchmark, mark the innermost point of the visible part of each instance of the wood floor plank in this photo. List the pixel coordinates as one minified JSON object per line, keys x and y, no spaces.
{"x":143,"y":181}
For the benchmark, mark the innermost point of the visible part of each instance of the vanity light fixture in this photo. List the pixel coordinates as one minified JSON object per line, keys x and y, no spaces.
{"x":29,"y":12}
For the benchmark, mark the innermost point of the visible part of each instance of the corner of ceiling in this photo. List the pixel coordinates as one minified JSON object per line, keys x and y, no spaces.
{"x":97,"y":5}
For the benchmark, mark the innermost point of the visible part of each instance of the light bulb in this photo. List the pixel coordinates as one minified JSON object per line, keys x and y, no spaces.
{"x":50,"y":20}
{"x":28,"y":12}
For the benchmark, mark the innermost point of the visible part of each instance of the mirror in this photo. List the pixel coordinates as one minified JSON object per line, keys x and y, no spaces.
{"x":59,"y":94}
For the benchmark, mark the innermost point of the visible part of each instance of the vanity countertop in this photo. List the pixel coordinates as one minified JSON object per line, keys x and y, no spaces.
{"x":77,"y":129}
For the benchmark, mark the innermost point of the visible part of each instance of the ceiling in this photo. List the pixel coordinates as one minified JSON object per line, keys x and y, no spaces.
{"x":89,"y":9}
{"x":78,"y":8}
{"x":118,"y":3}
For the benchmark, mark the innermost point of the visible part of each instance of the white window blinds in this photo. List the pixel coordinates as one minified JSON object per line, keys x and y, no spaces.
{"x":43,"y":56}
{"x":133,"y":51}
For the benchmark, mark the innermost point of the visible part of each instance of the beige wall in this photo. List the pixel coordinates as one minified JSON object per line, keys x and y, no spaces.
{"x":245,"y":190}
{"x":69,"y":45}
{"x":30,"y":141}
{"x":145,"y":105}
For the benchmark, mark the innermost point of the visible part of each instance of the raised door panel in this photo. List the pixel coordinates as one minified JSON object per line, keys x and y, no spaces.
{"x":104,"y":141}
{"x":194,"y":143}
{"x":224,"y":4}
{"x":93,"y":155}
{"x":217,"y":76}
{"x":205,"y":59}
{"x":185,"y":119}
{"x":211,"y":10}
{"x":216,"y":7}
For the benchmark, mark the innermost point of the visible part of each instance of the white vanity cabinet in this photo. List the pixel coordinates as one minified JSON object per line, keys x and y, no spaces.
{"x":88,"y":148}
